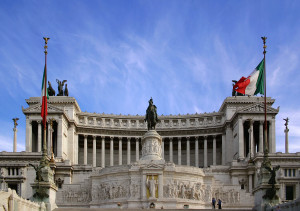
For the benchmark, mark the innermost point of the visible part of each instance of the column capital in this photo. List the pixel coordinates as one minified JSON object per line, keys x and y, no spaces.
{"x":39,"y":121}
{"x":102,"y":137}
{"x":205,"y":137}
{"x":111,"y":138}
{"x":214,"y":136}
{"x":179,"y":138}
{"x":196,"y":138}
{"x":261,"y":122}
{"x":188,"y":138}
{"x":85,"y":136}
{"x":94,"y":136}
{"x":120,"y":138}
{"x":171,"y":138}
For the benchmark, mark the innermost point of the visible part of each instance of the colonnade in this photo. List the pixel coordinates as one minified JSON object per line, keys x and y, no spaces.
{"x":188,"y":143}
{"x":252,"y":142}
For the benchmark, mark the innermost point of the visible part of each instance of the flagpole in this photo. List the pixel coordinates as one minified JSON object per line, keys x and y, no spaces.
{"x":45,"y":107}
{"x":265,"y":93}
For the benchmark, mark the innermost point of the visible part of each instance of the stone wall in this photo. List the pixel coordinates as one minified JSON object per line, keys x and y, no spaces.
{"x":10,"y":201}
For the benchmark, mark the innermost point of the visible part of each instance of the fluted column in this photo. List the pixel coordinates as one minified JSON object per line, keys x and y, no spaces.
{"x":59,"y":136}
{"x":28,"y":135}
{"x":272,"y":138}
{"x":196,"y":152}
{"x":171,"y":149}
{"x":261,"y":136}
{"x":163,"y":148}
{"x":188,"y":161}
{"x":214,"y":151}
{"x":85,"y":150}
{"x":49,"y":139}
{"x":179,"y":151}
{"x":111,"y":161}
{"x":241,"y":139}
{"x":103,"y":152}
{"x":128,"y":151}
{"x":137,"y":150}
{"x":223,"y":149}
{"x":120,"y":151}
{"x":39,"y":139}
{"x":251,"y":139}
{"x":205,"y":151}
{"x":94,"y":151}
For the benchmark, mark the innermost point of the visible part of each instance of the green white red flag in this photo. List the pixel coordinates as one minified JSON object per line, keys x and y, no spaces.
{"x":253,"y":84}
{"x":45,"y":96}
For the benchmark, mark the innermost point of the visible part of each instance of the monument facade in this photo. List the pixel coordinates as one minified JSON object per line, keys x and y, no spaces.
{"x":173,"y":161}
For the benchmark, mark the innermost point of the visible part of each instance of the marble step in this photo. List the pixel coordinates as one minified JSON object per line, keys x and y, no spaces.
{"x":118,"y":209}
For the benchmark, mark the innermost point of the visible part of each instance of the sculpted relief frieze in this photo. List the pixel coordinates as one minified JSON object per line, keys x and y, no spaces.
{"x":187,"y":190}
{"x":112,"y":190}
{"x":71,"y":195}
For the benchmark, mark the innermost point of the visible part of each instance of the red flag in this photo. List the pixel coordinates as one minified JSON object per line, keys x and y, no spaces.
{"x":45,"y":96}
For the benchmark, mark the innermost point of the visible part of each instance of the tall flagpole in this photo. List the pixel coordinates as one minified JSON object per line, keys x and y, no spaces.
{"x":265,"y":93}
{"x":45,"y":107}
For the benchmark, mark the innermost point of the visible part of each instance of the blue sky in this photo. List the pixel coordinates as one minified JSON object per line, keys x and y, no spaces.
{"x":117,"y":54}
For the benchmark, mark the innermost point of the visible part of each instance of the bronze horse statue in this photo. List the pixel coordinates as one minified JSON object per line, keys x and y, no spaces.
{"x":151,"y":115}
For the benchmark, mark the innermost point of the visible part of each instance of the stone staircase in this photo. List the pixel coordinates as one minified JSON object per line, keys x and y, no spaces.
{"x":118,"y":209}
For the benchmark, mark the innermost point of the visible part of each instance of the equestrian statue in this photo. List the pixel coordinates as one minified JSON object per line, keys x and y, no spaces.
{"x":151,"y":115}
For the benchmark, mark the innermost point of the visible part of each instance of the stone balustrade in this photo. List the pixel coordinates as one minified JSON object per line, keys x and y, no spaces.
{"x":130,"y":122}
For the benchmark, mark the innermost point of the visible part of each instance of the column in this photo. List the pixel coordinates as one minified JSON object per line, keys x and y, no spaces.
{"x":214,"y":151}
{"x":28,"y":135}
{"x":39,"y":139}
{"x":160,"y":186}
{"x":163,"y":148}
{"x":128,"y":151}
{"x":49,"y":139}
{"x":137,"y":150}
{"x":286,"y":131}
{"x":241,"y":139}
{"x":272,"y":138}
{"x":196,"y":152}
{"x":171,"y":149}
{"x":76,"y":146}
{"x":252,"y":150}
{"x":261,"y":136}
{"x":15,"y":139}
{"x":103,"y":152}
{"x":250,"y":183}
{"x":205,"y":151}
{"x":59,"y":138}
{"x":120,"y":151}
{"x":223,"y":149}
{"x":179,"y":151}
{"x":143,"y":186}
{"x":188,"y":161}
{"x":111,"y":160}
{"x":94,"y":151}
{"x":85,"y":150}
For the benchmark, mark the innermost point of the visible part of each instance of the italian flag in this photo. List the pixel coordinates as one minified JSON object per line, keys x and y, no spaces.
{"x":253,"y":84}
{"x":45,"y":96}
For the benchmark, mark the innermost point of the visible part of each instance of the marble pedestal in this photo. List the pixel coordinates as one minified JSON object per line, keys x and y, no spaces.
{"x":45,"y":191}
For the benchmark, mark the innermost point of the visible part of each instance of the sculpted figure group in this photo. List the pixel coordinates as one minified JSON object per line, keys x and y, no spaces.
{"x":61,"y":91}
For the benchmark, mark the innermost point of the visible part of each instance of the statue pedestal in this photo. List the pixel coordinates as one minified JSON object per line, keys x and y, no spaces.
{"x":259,"y":192}
{"x":45,"y":190}
{"x":151,"y":146}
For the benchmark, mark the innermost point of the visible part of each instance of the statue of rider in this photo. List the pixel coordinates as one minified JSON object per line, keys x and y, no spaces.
{"x":151,"y":115}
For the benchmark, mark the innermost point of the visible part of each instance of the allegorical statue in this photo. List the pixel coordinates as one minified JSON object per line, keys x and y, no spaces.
{"x":38,"y":171}
{"x":66,"y":92}
{"x":151,"y":115}
{"x":60,"y":87}
{"x":15,"y":122}
{"x":51,"y":91}
{"x":272,"y":180}
{"x":286,"y":122}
